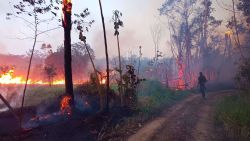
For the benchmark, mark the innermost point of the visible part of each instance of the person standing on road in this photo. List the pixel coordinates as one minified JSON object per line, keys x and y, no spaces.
{"x":201,"y":82}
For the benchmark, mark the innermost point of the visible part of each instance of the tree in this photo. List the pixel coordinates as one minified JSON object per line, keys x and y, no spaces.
{"x":244,"y":5}
{"x":50,"y":72}
{"x":67,"y":24}
{"x":107,"y":57}
{"x":189,"y":35}
{"x":117,"y":24}
{"x":180,"y":30}
{"x":156,"y":33}
{"x":79,"y":57}
{"x":34,"y":9}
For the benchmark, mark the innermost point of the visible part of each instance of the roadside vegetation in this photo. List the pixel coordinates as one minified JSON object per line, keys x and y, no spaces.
{"x":153,"y":96}
{"x":233,"y":113}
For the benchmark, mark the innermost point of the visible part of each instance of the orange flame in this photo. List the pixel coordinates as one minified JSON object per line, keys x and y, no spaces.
{"x":103,"y":81}
{"x":181,"y":82}
{"x":9,"y":78}
{"x":65,"y":104}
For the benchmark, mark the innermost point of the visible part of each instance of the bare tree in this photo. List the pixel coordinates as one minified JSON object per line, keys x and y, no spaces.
{"x":156,"y":33}
{"x":117,"y":24}
{"x":107,"y":57}
{"x":33,"y":9}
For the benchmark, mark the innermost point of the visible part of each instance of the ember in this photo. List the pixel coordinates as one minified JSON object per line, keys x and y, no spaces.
{"x":103,"y":81}
{"x":65,"y":105}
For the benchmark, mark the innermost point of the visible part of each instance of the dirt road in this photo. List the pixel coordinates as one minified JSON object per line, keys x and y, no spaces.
{"x":189,"y":120}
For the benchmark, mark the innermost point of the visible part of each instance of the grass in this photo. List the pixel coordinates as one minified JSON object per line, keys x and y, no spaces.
{"x":234,"y":114}
{"x":153,"y":96}
{"x":36,"y":95}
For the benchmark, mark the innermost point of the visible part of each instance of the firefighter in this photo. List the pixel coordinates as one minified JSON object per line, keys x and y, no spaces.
{"x":201,"y":82}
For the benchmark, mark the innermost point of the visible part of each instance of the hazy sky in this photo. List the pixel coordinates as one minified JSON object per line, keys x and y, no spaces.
{"x":138,"y":17}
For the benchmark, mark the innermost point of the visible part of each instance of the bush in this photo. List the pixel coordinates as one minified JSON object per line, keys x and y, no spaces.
{"x":234,"y":114}
{"x":242,"y":77}
{"x":153,"y":96}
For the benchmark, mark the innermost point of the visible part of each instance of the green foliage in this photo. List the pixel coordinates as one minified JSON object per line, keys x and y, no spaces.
{"x":153,"y":96}
{"x":42,"y":94}
{"x":234,"y":113}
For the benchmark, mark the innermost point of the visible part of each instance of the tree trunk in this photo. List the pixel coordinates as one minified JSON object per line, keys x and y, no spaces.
{"x":120,"y":70}
{"x":97,"y":78}
{"x":67,"y":56}
{"x":107,"y":57}
{"x":236,"y":30}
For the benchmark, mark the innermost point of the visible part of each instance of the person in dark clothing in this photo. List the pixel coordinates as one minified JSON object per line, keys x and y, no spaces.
{"x":201,"y":82}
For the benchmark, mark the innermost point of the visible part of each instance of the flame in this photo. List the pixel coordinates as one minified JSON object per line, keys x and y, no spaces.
{"x":9,"y":78}
{"x":181,"y":82}
{"x":103,"y":81}
{"x":58,"y":82}
{"x":65,"y":104}
{"x":229,"y":32}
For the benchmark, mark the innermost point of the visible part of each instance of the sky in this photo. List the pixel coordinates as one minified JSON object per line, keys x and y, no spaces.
{"x":138,"y":17}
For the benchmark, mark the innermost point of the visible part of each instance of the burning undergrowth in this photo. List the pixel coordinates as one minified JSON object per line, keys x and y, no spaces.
{"x":86,"y":102}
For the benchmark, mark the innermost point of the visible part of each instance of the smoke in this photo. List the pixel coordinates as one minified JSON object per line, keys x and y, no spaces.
{"x":12,"y":94}
{"x":3,"y":48}
{"x":128,"y":41}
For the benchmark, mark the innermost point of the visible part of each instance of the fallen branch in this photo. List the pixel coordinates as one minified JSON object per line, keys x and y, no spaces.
{"x":8,"y":105}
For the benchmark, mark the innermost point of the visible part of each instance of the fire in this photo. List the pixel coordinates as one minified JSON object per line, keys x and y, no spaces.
{"x":181,"y":82}
{"x":65,"y":104}
{"x":229,"y":32}
{"x":103,"y":81}
{"x":58,"y":82}
{"x":9,"y":78}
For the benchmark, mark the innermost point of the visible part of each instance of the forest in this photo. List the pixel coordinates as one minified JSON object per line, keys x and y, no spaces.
{"x":167,"y":70}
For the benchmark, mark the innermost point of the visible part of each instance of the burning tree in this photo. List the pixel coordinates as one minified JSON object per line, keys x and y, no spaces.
{"x":189,"y":36}
{"x":67,"y":24}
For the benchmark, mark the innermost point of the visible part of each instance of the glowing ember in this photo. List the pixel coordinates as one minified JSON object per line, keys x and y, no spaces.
{"x":65,"y":105}
{"x":103,"y":81}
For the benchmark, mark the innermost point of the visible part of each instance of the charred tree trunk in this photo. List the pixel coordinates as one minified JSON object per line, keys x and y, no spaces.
{"x":67,"y":51}
{"x":107,"y":57}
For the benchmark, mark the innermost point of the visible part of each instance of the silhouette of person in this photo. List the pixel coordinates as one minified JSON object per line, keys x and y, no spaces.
{"x":201,"y":82}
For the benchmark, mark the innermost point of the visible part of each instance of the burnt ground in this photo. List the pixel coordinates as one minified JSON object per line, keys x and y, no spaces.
{"x":190,"y":120}
{"x":79,"y":126}
{"x":59,"y":128}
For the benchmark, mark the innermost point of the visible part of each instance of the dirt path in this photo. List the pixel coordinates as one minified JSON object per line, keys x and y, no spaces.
{"x":189,"y":120}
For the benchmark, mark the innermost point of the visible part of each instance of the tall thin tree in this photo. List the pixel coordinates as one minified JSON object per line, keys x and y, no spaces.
{"x":107,"y":57}
{"x":117,"y":23}
{"x":67,"y":9}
